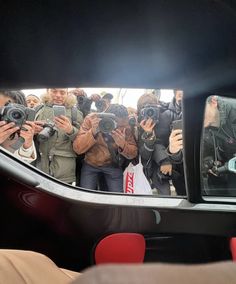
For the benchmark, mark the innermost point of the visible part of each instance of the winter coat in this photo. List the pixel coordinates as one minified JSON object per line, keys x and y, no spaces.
{"x":220,"y":145}
{"x":152,"y":149}
{"x":174,"y":112}
{"x":95,"y":148}
{"x":58,"y":158}
{"x":222,"y":138}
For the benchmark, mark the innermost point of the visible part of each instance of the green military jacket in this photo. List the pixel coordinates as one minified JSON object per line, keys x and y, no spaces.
{"x":57,"y":157}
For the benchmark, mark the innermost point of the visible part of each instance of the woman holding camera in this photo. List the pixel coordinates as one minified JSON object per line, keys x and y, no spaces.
{"x":16,"y":139}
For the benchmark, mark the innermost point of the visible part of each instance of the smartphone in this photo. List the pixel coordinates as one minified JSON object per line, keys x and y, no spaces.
{"x":59,"y":110}
{"x":177,"y":124}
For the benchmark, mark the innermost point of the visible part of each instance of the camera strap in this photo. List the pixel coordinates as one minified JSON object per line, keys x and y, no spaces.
{"x":115,"y":156}
{"x":74,"y":112}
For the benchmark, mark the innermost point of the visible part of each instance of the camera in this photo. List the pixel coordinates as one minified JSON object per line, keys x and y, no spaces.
{"x":107,"y":122}
{"x":47,"y":132}
{"x":16,"y":113}
{"x":150,"y":111}
{"x":82,"y":100}
{"x":132,"y":121}
{"x":100,"y":105}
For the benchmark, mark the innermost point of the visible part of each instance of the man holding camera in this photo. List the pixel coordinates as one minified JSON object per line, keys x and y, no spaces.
{"x":16,"y":129}
{"x":106,"y":140}
{"x":219,"y":145}
{"x":57,"y":126}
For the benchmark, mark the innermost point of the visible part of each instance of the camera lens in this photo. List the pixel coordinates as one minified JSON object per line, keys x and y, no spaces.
{"x":47,"y":132}
{"x":16,"y":115}
{"x":80,"y":100}
{"x":132,"y":121}
{"x":107,"y":125}
{"x":150,"y":112}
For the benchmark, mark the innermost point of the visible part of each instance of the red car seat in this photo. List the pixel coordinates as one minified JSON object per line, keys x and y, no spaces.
{"x":120,"y":248}
{"x":232,"y":244}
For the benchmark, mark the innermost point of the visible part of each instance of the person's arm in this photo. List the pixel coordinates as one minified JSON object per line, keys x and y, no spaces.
{"x":129,"y":149}
{"x":27,"y":154}
{"x":64,"y":123}
{"x":27,"y":151}
{"x":86,"y":137}
{"x":147,"y":138}
{"x":146,"y":144}
{"x":175,"y":147}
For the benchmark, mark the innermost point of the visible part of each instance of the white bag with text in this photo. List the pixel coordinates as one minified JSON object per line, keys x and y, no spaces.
{"x":135,"y":181}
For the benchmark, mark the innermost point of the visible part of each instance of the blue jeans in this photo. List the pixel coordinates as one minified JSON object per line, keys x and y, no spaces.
{"x":113,"y":177}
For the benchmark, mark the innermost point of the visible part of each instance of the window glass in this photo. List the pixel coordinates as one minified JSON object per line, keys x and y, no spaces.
{"x":105,"y":139}
{"x":218,"y":155}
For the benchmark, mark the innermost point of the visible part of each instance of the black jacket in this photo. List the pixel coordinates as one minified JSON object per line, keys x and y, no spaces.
{"x":152,"y":148}
{"x":174,"y":112}
{"x":220,"y":142}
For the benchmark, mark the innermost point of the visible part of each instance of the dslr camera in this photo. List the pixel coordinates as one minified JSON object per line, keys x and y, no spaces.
{"x":16,"y":113}
{"x":100,"y":105}
{"x":48,"y":131}
{"x":107,"y":123}
{"x":82,"y":100}
{"x":132,"y":121}
{"x":150,"y":111}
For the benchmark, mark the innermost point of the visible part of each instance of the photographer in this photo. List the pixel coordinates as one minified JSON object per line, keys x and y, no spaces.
{"x":106,"y":142}
{"x":33,"y":101}
{"x":153,"y":143}
{"x":14,"y":136}
{"x":171,"y":115}
{"x":56,"y":134}
{"x":219,"y":144}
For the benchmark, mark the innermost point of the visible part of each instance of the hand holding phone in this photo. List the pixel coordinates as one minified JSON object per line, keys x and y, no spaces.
{"x":177,"y":124}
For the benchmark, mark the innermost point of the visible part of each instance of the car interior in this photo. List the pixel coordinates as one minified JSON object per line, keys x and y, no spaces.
{"x":186,"y":45}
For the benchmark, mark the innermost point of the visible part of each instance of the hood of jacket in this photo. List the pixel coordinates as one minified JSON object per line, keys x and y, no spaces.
{"x":69,"y":102}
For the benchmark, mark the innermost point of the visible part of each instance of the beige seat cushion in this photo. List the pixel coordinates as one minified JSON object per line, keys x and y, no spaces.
{"x":216,"y":273}
{"x":18,"y":267}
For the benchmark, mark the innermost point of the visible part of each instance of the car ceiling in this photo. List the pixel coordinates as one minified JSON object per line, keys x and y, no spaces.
{"x":148,"y":44}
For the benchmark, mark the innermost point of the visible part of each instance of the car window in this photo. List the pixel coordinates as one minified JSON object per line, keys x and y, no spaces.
{"x":115,"y":140}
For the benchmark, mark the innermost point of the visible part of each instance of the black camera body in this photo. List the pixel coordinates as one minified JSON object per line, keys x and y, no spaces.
{"x":150,"y":111}
{"x":82,"y":100}
{"x":107,"y":123}
{"x":48,"y":131}
{"x":132,"y":121}
{"x":100,"y":105}
{"x":16,"y":113}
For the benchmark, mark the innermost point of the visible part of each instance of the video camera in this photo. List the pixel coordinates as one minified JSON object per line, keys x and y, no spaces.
{"x":16,"y":113}
{"x":149,"y":111}
{"x":48,"y":131}
{"x":107,"y":123}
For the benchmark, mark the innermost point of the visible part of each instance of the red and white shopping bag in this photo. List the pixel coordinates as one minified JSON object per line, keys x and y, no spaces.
{"x":135,"y":181}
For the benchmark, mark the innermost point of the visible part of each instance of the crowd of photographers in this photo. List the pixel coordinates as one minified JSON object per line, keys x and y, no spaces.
{"x":64,"y":137}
